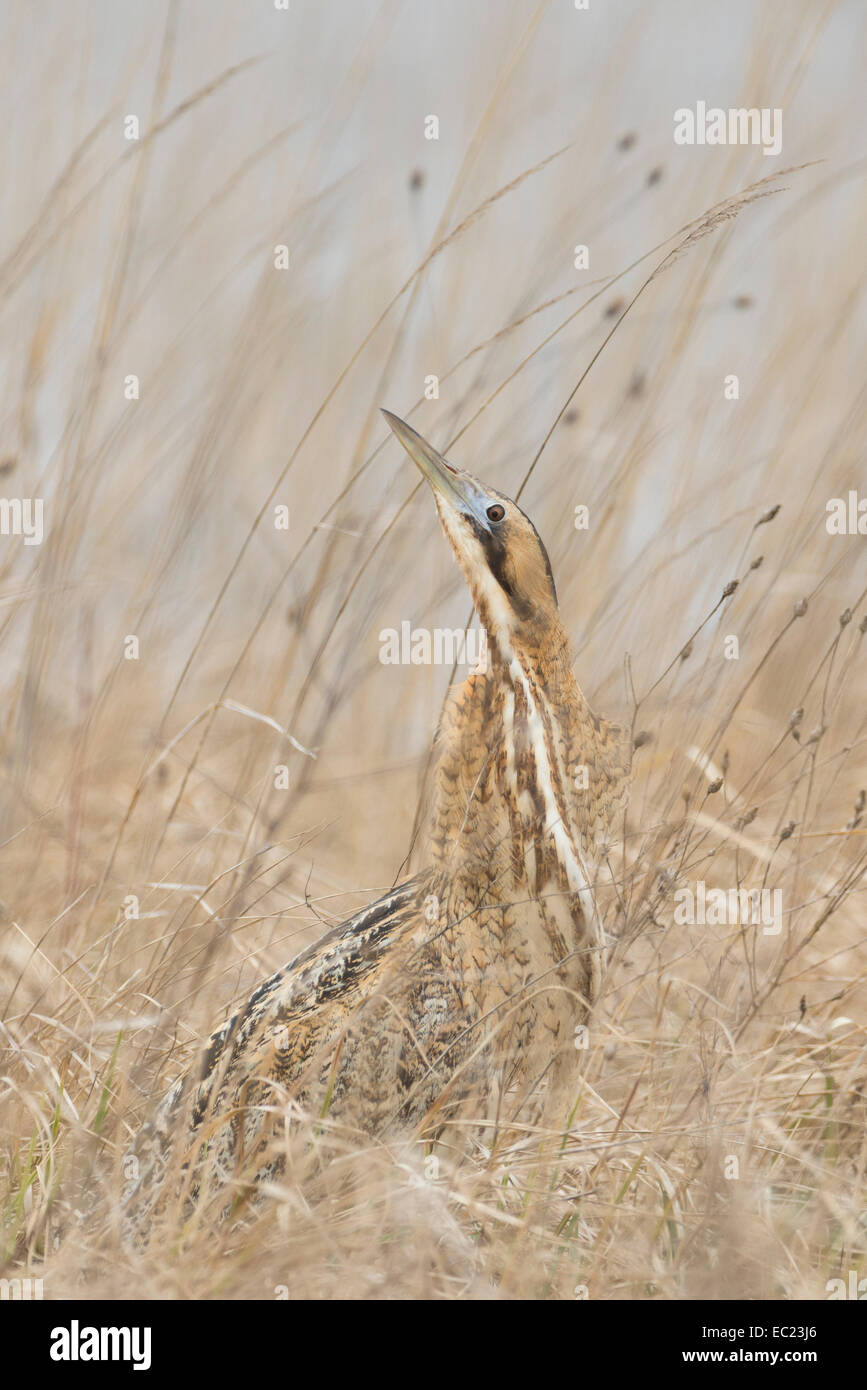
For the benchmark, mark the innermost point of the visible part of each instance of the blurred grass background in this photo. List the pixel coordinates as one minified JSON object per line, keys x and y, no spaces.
{"x":154,"y":777}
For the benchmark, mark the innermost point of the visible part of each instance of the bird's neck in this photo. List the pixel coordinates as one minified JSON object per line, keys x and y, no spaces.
{"x":508,"y":795}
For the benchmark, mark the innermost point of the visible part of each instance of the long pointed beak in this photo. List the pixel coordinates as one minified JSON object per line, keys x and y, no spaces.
{"x":459,"y":489}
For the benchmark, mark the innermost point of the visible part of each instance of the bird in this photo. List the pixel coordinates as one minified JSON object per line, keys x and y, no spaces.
{"x":468,"y":982}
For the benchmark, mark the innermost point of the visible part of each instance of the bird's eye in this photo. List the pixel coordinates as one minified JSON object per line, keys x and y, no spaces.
{"x":496,"y":512}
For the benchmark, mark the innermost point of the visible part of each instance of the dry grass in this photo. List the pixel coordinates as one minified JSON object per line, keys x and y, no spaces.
{"x":154,"y":777}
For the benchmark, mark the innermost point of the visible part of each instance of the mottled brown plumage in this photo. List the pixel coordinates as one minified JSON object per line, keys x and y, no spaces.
{"x":468,"y":981}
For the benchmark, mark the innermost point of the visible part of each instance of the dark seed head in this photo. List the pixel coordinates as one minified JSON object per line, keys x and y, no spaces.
{"x":636,"y":385}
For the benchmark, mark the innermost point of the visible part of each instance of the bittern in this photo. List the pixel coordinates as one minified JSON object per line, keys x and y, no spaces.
{"x":468,"y":981}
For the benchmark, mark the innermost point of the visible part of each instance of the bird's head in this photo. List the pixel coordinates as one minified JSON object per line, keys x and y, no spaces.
{"x":498,"y":548}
